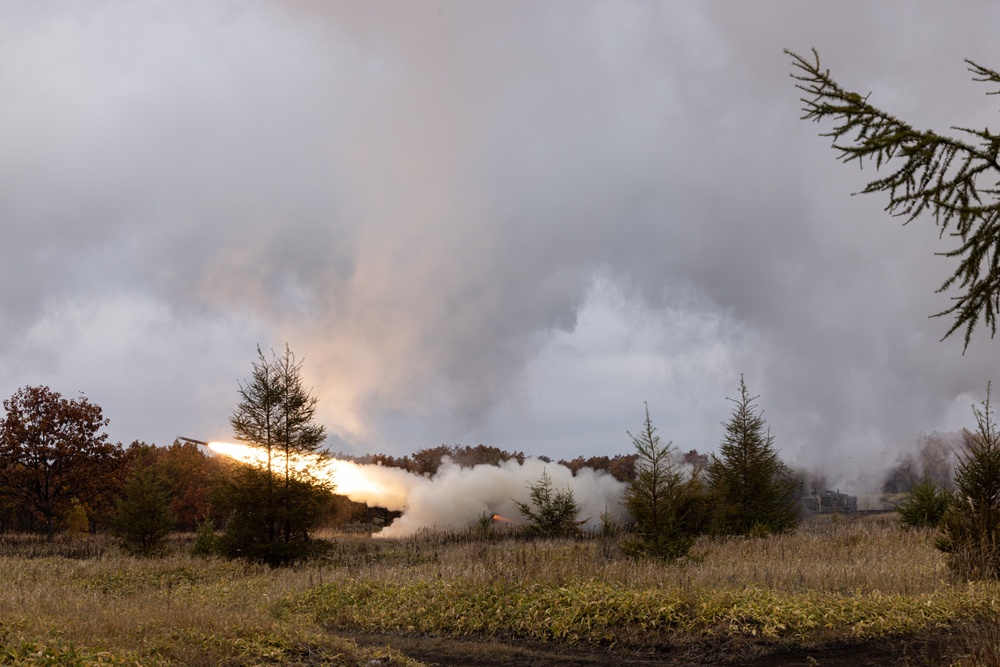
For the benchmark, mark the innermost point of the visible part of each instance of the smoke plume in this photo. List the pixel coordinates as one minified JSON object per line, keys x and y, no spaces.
{"x":455,"y":496}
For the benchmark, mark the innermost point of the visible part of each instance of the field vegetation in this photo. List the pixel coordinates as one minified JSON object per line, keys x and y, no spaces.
{"x":718,"y":571}
{"x":81,"y":601}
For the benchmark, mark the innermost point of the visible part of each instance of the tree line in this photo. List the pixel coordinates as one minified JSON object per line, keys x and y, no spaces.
{"x":59,"y":472}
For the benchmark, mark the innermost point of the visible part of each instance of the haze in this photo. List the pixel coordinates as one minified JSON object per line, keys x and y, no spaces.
{"x":503,"y":223}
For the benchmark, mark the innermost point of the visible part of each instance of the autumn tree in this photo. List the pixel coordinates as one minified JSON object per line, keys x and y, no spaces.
{"x":427,"y":461}
{"x":619,"y":466}
{"x":188,"y":477}
{"x":754,"y":492}
{"x":53,"y":450}
{"x":952,"y":178}
{"x":665,"y":504}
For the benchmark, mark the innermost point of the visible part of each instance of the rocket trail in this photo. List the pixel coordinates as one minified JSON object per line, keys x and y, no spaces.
{"x":455,"y":497}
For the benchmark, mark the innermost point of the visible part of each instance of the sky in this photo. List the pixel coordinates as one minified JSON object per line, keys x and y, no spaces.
{"x":508,"y":223}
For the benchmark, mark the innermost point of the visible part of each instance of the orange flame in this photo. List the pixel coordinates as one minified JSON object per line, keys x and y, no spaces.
{"x":350,"y":478}
{"x":501,"y":519}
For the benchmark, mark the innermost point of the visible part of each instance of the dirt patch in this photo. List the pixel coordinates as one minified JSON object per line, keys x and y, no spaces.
{"x":933,"y":648}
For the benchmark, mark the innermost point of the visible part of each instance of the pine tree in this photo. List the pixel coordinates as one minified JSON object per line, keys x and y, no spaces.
{"x":970,"y":529}
{"x":550,"y":513}
{"x":754,"y":491}
{"x":663,"y":502}
{"x":277,"y":414}
{"x":143,"y":518}
{"x":925,"y":505}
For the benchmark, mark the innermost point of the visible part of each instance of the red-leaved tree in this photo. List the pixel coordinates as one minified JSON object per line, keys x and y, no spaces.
{"x":53,"y":450}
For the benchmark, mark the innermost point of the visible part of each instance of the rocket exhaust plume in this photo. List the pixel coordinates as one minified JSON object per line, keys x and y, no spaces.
{"x":455,"y":497}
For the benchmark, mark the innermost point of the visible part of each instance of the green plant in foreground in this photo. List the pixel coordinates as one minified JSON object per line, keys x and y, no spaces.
{"x":143,"y":517}
{"x":925,"y":505}
{"x":754,"y":491}
{"x":665,"y":506}
{"x":951,"y":178}
{"x":601,"y":613}
{"x":44,"y":654}
{"x":205,"y":540}
{"x":550,"y":513}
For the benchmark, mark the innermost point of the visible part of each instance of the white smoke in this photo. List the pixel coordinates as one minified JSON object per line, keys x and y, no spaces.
{"x":453,"y":498}
{"x":456,"y":497}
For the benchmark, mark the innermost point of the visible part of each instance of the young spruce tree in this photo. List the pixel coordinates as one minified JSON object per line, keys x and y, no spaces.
{"x":755,"y":493}
{"x":665,"y":504}
{"x":550,"y":513}
{"x":143,"y":518}
{"x":970,"y":528}
{"x":277,"y":506}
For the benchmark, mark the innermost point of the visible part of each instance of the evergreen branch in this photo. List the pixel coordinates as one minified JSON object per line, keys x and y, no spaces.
{"x":937,"y":174}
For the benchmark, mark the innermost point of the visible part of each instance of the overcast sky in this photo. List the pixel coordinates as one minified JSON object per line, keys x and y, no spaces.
{"x":508,"y":223}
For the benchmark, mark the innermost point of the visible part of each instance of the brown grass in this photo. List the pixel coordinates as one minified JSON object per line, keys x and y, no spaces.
{"x":176,"y":609}
{"x":827,"y":554}
{"x":832,"y":579}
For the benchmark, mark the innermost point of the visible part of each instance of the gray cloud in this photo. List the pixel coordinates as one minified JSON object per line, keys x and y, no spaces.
{"x":509,"y":223}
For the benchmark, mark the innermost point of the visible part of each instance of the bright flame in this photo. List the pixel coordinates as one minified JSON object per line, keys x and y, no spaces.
{"x":349,"y":479}
{"x":501,"y":519}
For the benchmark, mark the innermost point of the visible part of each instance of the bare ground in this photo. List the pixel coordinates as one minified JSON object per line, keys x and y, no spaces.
{"x":941,"y":647}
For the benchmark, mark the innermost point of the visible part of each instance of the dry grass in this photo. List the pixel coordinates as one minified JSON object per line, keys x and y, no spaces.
{"x":177,"y":609}
{"x":827,"y":554}
{"x":833,"y":580}
{"x":830,"y":580}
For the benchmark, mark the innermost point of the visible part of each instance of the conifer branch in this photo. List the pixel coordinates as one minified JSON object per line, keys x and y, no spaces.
{"x":954,"y":179}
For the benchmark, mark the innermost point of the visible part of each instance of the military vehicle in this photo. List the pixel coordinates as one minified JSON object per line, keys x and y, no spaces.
{"x":832,"y":502}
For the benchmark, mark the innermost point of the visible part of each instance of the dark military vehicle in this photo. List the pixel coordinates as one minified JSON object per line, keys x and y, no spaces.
{"x":832,"y":502}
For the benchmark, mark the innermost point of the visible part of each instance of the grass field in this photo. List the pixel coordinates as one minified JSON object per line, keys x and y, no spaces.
{"x":834,"y":581}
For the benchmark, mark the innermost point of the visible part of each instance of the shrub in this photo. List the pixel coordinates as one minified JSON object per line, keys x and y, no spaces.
{"x":76,"y":522}
{"x":204,"y":540}
{"x":249,"y":532}
{"x":550,"y":513}
{"x":925,"y":505}
{"x":143,"y":517}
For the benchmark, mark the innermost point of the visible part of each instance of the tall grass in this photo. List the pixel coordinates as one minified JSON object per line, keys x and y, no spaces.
{"x":177,"y":610}
{"x":832,"y":579}
{"x":826,"y":554}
